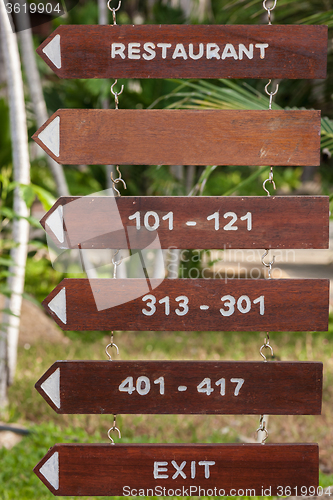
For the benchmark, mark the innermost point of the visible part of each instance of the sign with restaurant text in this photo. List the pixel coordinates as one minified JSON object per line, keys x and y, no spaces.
{"x":187,"y":51}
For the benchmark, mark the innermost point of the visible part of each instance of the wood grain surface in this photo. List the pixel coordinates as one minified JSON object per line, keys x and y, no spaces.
{"x":102,"y":469}
{"x":186,"y":137}
{"x":274,"y":222}
{"x":192,"y":304}
{"x":292,"y":51}
{"x":244,"y":387}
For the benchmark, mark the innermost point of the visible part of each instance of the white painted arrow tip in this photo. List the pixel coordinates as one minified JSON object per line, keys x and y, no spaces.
{"x":58,"y":305}
{"x":51,"y":387}
{"x":50,"y":136}
{"x":56,"y":223}
{"x":50,"y":470}
{"x":53,"y":51}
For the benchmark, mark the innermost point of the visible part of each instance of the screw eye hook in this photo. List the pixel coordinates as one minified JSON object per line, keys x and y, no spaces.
{"x":114,"y":10}
{"x":264,"y":186}
{"x":116,"y":94}
{"x":262,"y":428}
{"x":118,"y":179}
{"x":115,"y":429}
{"x":268,"y":264}
{"x":266,"y":346}
{"x":271,"y":94}
{"x":107,"y":352}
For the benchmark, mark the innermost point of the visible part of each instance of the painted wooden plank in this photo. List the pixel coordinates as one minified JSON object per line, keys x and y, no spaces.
{"x":189,"y":222}
{"x":185,"y":387}
{"x":190,"y":304}
{"x":178,"y":469}
{"x":181,"y":137}
{"x":185,"y":51}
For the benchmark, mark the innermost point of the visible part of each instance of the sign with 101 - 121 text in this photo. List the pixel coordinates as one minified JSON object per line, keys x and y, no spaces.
{"x":138,"y":222}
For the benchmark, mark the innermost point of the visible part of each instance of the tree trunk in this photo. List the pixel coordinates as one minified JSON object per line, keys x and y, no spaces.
{"x":36,"y":94}
{"x":21,"y":169}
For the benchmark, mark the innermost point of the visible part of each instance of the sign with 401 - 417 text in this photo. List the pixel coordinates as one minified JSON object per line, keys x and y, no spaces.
{"x":184,"y":387}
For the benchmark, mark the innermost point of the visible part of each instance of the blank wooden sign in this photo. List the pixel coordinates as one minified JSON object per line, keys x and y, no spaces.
{"x":185,"y":387}
{"x":190,"y":304}
{"x":181,"y":137}
{"x":179,"y":470}
{"x":185,"y":51}
{"x":188,"y":222}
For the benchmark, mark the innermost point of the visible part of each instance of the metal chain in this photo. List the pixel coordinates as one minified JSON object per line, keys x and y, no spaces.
{"x":119,"y":178}
{"x":266,"y":345}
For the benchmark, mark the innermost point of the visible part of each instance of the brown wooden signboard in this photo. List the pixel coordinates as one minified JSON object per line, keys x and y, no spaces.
{"x":187,"y":51}
{"x":190,"y":304}
{"x":181,"y":137}
{"x":189,"y":222}
{"x":179,"y":470}
{"x":185,"y":387}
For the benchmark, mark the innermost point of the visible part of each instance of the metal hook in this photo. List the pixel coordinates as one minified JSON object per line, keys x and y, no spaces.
{"x":119,"y":179}
{"x":266,"y":345}
{"x":115,"y":429}
{"x":111,"y":345}
{"x":116,"y":263}
{"x":114,"y":10}
{"x":262,"y":428}
{"x":264,"y":186}
{"x":270,"y":94}
{"x":270,"y":179}
{"x":269,"y":10}
{"x":116,"y":94}
{"x":267,"y":264}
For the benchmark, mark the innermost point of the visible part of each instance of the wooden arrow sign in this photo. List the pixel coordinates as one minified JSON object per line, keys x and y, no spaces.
{"x":190,"y":304}
{"x":179,"y":470}
{"x":185,"y":387}
{"x":181,"y":137}
{"x":185,"y":51}
{"x":189,"y":222}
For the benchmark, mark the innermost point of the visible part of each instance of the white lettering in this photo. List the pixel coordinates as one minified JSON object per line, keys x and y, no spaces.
{"x":164,"y":47}
{"x":243,"y":50}
{"x":179,"y":51}
{"x":229,"y":51}
{"x":179,"y":470}
{"x":192,"y":469}
{"x":206,"y":465}
{"x":148,"y":47}
{"x":212,"y":50}
{"x":158,"y":468}
{"x":262,"y":47}
{"x":134,"y":50}
{"x":126,"y":491}
{"x":196,"y":56}
{"x":117,"y":49}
